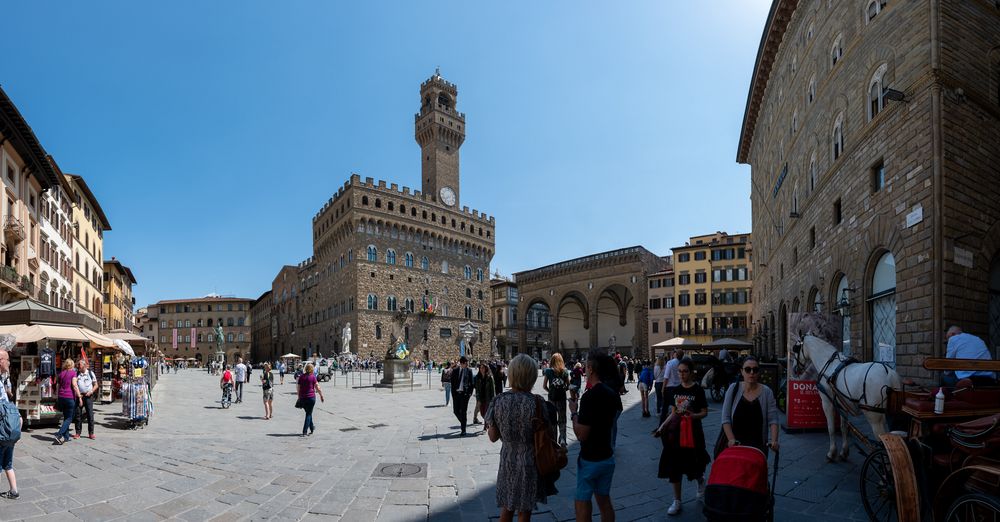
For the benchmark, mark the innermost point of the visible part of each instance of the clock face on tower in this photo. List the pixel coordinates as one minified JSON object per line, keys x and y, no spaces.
{"x":447,"y":196}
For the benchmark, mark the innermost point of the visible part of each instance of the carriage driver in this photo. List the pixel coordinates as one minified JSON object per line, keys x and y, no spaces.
{"x":967,"y":346}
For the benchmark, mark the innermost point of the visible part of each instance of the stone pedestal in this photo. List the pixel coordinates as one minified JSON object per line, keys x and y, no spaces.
{"x":396,"y":374}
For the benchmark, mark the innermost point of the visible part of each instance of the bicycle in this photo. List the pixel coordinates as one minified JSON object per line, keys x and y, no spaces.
{"x":227,"y":395}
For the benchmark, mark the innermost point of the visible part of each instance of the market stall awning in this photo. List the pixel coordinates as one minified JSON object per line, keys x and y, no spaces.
{"x":728,"y":342}
{"x":126,"y":336}
{"x":97,"y":340}
{"x":36,"y":332}
{"x":676,"y":341}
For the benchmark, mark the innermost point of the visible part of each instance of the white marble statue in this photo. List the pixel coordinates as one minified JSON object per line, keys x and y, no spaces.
{"x":346,"y":337}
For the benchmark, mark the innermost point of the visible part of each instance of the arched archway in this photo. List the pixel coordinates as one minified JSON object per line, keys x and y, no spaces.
{"x":613,"y":319}
{"x":573,"y":323}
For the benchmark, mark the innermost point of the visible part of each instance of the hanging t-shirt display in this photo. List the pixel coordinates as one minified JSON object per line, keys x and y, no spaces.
{"x":46,"y":362}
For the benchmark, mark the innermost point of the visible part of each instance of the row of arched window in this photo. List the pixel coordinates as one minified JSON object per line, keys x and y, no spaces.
{"x":390,"y":259}
{"x":392,"y":305}
{"x":239,"y":321}
{"x":186,"y":339}
{"x":461,"y":225}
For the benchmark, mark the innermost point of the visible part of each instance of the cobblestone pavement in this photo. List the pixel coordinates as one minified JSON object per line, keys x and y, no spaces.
{"x":196,"y":461}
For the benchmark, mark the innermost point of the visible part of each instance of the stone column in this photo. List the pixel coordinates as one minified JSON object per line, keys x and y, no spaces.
{"x":554,"y":322}
{"x":594,"y":343}
{"x":522,"y":334}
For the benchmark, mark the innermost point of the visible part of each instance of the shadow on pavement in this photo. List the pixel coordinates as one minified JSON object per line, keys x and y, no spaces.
{"x":284,"y":434}
{"x":436,"y":406}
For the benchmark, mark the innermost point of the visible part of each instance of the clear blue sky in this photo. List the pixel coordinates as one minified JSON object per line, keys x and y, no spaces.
{"x":213,"y":131}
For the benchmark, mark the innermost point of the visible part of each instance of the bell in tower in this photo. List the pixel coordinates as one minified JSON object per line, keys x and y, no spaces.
{"x":440,"y":131}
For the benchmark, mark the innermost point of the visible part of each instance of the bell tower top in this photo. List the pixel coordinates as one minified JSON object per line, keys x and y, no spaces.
{"x":440,"y":132}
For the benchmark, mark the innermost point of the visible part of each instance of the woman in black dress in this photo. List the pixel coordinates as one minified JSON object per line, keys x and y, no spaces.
{"x":749,"y":412}
{"x":682,"y":455}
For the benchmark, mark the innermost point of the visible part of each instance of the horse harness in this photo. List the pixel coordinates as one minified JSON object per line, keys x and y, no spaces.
{"x":842,"y":400}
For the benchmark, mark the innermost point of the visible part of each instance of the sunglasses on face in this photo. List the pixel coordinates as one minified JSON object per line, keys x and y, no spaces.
{"x":751,"y":369}
{"x":683,"y":371}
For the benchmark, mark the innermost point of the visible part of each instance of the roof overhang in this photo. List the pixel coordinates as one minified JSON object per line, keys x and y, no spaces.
{"x":774,"y":32}
{"x":80,"y":182}
{"x":16,"y":129}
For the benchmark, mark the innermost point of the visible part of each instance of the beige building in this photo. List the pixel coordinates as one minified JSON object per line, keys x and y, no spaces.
{"x":503,"y":315}
{"x":871,"y":131}
{"x":661,"y":305}
{"x":25,"y":172}
{"x":261,"y":329}
{"x":187,"y":327}
{"x":712,"y":291}
{"x":118,"y":300}
{"x":397,"y":265}
{"x":89,"y":225}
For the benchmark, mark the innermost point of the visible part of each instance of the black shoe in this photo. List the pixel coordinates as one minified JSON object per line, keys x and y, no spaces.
{"x":57,"y":442}
{"x":12,"y":495}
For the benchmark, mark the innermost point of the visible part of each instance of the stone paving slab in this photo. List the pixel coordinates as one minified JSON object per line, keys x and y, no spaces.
{"x":196,"y":461}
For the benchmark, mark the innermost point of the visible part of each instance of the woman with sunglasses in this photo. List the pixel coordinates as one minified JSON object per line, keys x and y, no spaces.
{"x":750,"y":413}
{"x":681,"y":457}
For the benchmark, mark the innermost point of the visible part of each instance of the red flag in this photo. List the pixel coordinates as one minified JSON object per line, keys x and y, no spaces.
{"x":83,"y":355}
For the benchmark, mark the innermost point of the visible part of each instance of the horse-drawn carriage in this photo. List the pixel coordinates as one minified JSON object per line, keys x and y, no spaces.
{"x":714,"y":375}
{"x":942,"y":466}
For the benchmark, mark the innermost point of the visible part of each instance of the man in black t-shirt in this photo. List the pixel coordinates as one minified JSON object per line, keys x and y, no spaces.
{"x":593,"y":423}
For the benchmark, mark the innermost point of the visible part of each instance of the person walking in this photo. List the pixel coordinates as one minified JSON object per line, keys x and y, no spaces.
{"x":308,"y":389}
{"x":446,"y":382}
{"x":509,"y":419}
{"x":267,"y":387}
{"x":7,"y":451}
{"x":67,"y":396}
{"x":556,"y":383}
{"x":659,"y":370}
{"x":645,"y":384}
{"x":485,"y":392}
{"x":86,"y":383}
{"x":749,"y":411}
{"x":461,"y":388}
{"x":671,"y":376}
{"x":240,"y":374}
{"x":593,"y":422}
{"x":682,"y":435}
{"x":281,"y":371}
{"x":575,"y":381}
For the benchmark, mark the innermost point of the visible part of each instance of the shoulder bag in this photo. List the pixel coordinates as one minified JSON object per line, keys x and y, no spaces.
{"x":550,"y":457}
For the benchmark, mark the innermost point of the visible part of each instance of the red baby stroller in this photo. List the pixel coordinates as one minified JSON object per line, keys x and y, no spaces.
{"x":737,"y":487}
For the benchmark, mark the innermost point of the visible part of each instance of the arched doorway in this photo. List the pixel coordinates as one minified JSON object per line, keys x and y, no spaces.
{"x":614,"y":327}
{"x":780,"y":350}
{"x":994,"y":306}
{"x":573,"y":324}
{"x":842,"y":302}
{"x":883,"y":310}
{"x":538,"y":328}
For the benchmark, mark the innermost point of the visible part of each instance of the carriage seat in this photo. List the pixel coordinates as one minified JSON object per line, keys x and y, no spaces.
{"x":975,"y":438}
{"x":959,"y":399}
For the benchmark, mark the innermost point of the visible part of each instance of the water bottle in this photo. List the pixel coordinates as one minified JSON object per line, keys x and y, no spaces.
{"x":939,"y":402}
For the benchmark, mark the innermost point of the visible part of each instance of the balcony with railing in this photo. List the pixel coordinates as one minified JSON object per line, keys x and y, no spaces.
{"x":729,"y":332}
{"x":13,"y":230}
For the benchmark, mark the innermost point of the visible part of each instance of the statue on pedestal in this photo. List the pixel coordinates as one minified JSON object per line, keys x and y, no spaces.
{"x":346,"y":338}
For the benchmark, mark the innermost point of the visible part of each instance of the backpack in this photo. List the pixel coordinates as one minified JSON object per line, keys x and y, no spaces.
{"x":10,"y":423}
{"x":550,"y":457}
{"x":558,"y":384}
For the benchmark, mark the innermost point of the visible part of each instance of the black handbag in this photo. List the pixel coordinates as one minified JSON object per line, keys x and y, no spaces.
{"x":299,"y":404}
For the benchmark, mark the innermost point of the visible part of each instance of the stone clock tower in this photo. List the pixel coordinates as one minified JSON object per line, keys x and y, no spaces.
{"x":440,"y":131}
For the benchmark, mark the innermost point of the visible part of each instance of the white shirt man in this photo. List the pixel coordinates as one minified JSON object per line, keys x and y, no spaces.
{"x":240,"y":376}
{"x":967,"y":346}
{"x":672,"y":375}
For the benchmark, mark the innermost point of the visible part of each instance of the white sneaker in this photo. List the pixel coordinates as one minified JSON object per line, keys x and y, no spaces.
{"x":701,"y":491}
{"x":675,"y":507}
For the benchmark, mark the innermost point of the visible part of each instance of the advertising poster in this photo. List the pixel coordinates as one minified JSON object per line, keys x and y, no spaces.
{"x":804,"y":410}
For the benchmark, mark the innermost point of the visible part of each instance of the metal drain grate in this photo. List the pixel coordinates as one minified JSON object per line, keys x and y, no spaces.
{"x":392,"y":470}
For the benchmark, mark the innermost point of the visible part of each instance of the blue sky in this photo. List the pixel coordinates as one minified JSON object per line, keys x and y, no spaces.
{"x":213,"y":131}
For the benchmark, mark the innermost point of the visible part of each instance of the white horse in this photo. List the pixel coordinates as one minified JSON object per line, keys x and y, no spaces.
{"x":857,"y":385}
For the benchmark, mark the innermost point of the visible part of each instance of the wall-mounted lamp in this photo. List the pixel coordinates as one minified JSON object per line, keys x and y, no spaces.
{"x":894,"y":95}
{"x":844,"y":305}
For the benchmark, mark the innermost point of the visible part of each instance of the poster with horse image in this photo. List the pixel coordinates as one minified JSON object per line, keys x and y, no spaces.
{"x":804,"y":410}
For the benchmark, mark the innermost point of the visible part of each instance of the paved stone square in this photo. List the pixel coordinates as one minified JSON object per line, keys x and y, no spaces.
{"x":196,"y":461}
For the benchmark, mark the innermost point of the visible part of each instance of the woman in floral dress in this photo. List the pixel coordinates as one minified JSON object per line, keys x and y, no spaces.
{"x":509,"y":419}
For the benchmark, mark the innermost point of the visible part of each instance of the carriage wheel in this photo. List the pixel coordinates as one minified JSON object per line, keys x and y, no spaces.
{"x":878,"y":489}
{"x":974,"y":507}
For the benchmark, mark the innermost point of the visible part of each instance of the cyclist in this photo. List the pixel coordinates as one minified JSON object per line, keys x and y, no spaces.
{"x":226,"y":383}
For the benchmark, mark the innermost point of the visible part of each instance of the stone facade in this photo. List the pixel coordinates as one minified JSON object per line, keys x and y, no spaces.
{"x":503,"y":315}
{"x":194,"y":321}
{"x":879,"y":209}
{"x":89,"y":225}
{"x":261,"y":330}
{"x":589,"y":302}
{"x":118,"y":300}
{"x":397,"y":265}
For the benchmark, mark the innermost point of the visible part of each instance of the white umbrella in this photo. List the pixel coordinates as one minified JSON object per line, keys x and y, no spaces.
{"x":290,"y":355}
{"x":125,"y":347}
{"x":677,"y":341}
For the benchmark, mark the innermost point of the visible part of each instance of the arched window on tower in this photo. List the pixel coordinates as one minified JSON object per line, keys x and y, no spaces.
{"x":390,"y":303}
{"x":364,"y":201}
{"x":873,"y":8}
{"x":837,"y":139}
{"x":468,"y":312}
{"x":837,"y":51}
{"x":372,"y":253}
{"x":468,"y":272}
{"x":408,"y":259}
{"x":372,"y":302}
{"x":480,"y":275}
{"x":876,"y":89}
{"x":390,"y":256}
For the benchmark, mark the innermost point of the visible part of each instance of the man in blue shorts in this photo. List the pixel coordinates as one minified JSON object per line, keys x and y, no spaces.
{"x":593,"y":423}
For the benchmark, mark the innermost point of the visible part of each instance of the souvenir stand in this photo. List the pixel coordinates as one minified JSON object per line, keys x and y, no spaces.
{"x":44,"y":336}
{"x":137,"y":403}
{"x":119,"y":365}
